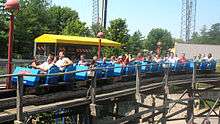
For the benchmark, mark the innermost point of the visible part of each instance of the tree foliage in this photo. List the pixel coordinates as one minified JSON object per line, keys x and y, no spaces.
{"x":30,"y":22}
{"x":60,"y":17}
{"x":95,"y":28}
{"x":208,"y":36}
{"x":76,"y":28}
{"x":135,"y":43}
{"x":159,"y":35}
{"x":118,"y":31}
{"x":37,"y":17}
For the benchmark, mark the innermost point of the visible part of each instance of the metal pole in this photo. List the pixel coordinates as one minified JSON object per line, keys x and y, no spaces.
{"x":99,"y":48}
{"x":55,"y":49}
{"x":105,"y":13}
{"x":19,"y":101}
{"x":35,"y":49}
{"x":10,"y":38}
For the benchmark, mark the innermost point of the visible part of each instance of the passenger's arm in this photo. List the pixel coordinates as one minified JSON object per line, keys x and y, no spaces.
{"x":67,"y":62}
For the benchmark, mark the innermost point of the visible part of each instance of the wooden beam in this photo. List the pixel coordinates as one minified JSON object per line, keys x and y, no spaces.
{"x":19,"y":101}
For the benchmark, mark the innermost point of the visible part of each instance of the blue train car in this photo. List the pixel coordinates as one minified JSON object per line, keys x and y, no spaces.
{"x":112,"y":70}
{"x":27,"y":80}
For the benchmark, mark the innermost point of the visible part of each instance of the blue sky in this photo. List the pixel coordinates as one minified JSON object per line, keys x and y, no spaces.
{"x":144,"y":15}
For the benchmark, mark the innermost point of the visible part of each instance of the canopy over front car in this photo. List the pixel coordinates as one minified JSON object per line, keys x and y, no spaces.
{"x":64,"y":39}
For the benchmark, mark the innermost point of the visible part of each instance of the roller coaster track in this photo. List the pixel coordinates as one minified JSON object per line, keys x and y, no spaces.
{"x":50,"y":102}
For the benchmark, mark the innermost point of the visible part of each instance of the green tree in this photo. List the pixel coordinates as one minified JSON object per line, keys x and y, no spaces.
{"x":203,"y":31}
{"x":3,"y":31}
{"x":31,"y":21}
{"x":135,"y":43}
{"x":118,"y":31}
{"x":60,"y":17}
{"x":159,"y":35}
{"x":214,"y":32}
{"x":97,"y":28}
{"x":3,"y":36}
{"x":76,"y":28}
{"x":211,"y":36}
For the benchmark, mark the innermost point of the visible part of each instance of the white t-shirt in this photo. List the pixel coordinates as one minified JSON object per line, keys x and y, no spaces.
{"x":172,"y":60}
{"x":208,"y":59}
{"x":46,"y":65}
{"x":61,"y":63}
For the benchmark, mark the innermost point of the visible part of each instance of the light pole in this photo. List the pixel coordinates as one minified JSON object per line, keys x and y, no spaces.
{"x":12,"y":6}
{"x":100,"y":35}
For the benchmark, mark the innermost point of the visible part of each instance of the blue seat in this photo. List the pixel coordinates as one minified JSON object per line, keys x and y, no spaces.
{"x":190,"y":66}
{"x":203,"y":66}
{"x":129,"y":69}
{"x":27,"y":80}
{"x":81,"y":75}
{"x":211,"y":65}
{"x":52,"y":79}
{"x":117,"y":70}
{"x":110,"y":70}
{"x":180,"y":67}
{"x":154,"y":67}
{"x":144,"y":67}
{"x":69,"y":77}
{"x":173,"y":66}
{"x":160,"y":67}
{"x":100,"y":73}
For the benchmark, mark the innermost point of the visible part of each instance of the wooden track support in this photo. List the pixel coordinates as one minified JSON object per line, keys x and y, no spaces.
{"x":19,"y":101}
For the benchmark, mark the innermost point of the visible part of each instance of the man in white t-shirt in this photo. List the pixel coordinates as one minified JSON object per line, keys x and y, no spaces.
{"x":172,"y":59}
{"x":209,"y":58}
{"x":46,"y":65}
{"x":63,"y":61}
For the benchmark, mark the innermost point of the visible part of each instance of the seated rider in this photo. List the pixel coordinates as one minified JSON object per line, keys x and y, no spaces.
{"x":113,"y":59}
{"x":82,"y":60}
{"x":158,"y":59}
{"x":172,"y":59}
{"x":46,"y":65}
{"x":209,"y":58}
{"x":182,"y":58}
{"x":139,"y":57}
{"x":62,"y":61}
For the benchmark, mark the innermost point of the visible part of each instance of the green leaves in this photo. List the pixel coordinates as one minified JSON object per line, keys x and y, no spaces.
{"x":76,"y":28}
{"x":118,"y":31}
{"x":60,"y":17}
{"x":159,"y":35}
{"x":208,"y":36}
{"x":135,"y":43}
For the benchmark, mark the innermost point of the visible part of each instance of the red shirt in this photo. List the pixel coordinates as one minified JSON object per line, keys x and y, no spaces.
{"x":140,"y":58}
{"x":182,"y":60}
